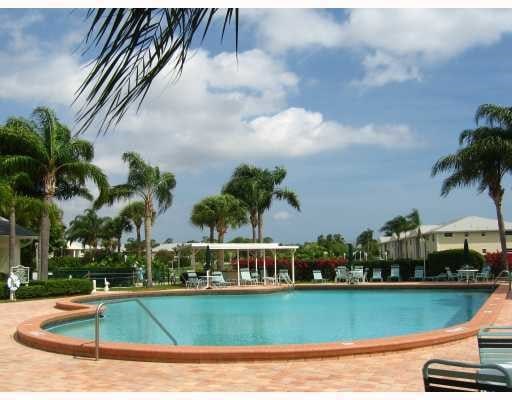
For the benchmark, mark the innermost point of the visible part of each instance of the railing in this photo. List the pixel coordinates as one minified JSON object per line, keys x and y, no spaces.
{"x":99,"y":310}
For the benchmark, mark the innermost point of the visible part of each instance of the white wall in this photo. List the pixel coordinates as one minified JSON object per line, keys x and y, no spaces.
{"x":4,"y":254}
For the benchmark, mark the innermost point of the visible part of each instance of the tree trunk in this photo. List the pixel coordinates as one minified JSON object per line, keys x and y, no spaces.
{"x":119,"y":244}
{"x":220,"y":257}
{"x":12,"y":237}
{"x":212,"y":234}
{"x":44,"y":245}
{"x":260,"y":227}
{"x":254,"y":224}
{"x":137,"y":228}
{"x":147,"y":238}
{"x":501,"y":228}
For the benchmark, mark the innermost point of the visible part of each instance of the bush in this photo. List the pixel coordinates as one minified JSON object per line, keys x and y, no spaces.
{"x":494,"y":260}
{"x":54,"y":287}
{"x":453,"y":259}
{"x":65,"y":262}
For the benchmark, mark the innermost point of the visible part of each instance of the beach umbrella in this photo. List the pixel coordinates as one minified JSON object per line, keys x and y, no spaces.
{"x":466,"y":252}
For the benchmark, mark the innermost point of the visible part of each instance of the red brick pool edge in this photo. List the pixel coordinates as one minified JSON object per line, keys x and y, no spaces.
{"x":31,"y":333}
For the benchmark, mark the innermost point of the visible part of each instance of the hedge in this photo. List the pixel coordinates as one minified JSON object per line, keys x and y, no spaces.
{"x":50,"y":288}
{"x":454,"y":259}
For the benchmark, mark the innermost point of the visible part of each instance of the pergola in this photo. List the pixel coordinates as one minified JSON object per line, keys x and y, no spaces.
{"x":272,"y":247}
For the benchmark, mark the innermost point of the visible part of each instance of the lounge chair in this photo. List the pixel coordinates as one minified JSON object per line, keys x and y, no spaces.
{"x":341,"y":274}
{"x":485,"y":274}
{"x":255,"y":275}
{"x":377,"y":275}
{"x":450,"y":275}
{"x":395,"y":273}
{"x":419,"y":273}
{"x":218,"y":279}
{"x":193,"y":280}
{"x":455,"y":376}
{"x":357,"y":275}
{"x":284,"y":277}
{"x":246,"y":278}
{"x":495,"y":344}
{"x":317,"y":276}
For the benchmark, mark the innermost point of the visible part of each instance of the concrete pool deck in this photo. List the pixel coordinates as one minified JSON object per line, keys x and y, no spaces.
{"x":391,"y":371}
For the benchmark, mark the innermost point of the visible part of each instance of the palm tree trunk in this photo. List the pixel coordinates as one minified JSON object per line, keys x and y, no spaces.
{"x":220,"y":257}
{"x":147,"y":232}
{"x":501,"y":228}
{"x":260,"y":227}
{"x":119,"y":244}
{"x":44,"y":245}
{"x":254,"y":224}
{"x":137,"y":228}
{"x":12,"y":237}
{"x":212,"y":234}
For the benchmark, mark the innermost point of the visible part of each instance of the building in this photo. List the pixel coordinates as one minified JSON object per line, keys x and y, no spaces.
{"x":481,"y":233}
{"x":23,"y":238}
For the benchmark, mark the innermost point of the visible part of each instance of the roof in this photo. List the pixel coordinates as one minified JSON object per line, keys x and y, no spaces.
{"x":242,"y":246}
{"x":20,"y":231}
{"x":77,"y":246}
{"x":469,"y":224}
{"x":167,"y":246}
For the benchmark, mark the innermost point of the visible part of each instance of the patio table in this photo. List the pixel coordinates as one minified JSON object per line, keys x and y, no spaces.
{"x":469,"y":274}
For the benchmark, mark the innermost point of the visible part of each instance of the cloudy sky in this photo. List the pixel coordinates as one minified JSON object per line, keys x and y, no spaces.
{"x":357,"y":105}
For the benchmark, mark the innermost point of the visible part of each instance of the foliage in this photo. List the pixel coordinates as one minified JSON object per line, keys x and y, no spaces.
{"x":366,"y":241}
{"x":256,"y":188}
{"x":152,"y":186}
{"x":482,"y":160}
{"x":165,"y":256}
{"x":330,"y":245}
{"x":494,"y":260}
{"x":52,"y":287}
{"x":454,"y":259}
{"x":86,"y":228}
{"x":131,"y":47}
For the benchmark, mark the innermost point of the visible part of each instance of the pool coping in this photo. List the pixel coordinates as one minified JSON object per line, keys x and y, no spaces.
{"x":31,"y":332}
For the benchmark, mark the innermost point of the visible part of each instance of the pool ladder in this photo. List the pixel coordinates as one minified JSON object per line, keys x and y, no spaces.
{"x":99,"y":313}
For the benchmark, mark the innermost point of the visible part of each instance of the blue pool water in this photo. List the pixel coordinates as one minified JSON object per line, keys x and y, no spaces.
{"x":300,"y":316}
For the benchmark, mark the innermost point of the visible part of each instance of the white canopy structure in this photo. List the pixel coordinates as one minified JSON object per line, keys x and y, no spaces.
{"x":272,"y":247}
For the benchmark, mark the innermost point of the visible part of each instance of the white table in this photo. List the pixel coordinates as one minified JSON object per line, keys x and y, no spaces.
{"x":469,"y":274}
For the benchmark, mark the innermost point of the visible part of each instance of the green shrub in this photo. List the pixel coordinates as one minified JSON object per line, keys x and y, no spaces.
{"x":53,"y":287}
{"x":65,"y":262}
{"x":453,"y":259}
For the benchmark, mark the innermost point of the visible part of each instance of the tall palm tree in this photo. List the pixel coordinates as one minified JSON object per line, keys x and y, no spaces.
{"x":87,"y":229}
{"x":114,"y":228}
{"x":151,"y":186}
{"x":134,"y":212}
{"x":414,"y":222}
{"x":395,"y":227}
{"x":257,"y":188}
{"x":203,"y":215}
{"x":60,"y":164}
{"x":131,"y":47}
{"x":225,"y":211}
{"x":483,"y":158}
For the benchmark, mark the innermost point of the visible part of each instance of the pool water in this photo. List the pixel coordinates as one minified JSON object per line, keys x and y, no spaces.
{"x":300,"y":316}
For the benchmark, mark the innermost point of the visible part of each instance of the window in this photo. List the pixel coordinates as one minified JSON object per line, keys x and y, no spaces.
{"x":448,"y":234}
{"x":484,"y":251}
{"x":483,"y":233}
{"x":508,"y":233}
{"x":466,"y":234}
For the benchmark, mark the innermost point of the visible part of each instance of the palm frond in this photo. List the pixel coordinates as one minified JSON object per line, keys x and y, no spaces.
{"x":494,"y":115}
{"x":132,"y":47}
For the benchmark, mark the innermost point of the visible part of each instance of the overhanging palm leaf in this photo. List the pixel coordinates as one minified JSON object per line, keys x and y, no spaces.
{"x":132,"y":47}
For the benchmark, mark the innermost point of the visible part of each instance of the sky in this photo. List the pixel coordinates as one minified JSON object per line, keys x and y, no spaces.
{"x":356,"y":104}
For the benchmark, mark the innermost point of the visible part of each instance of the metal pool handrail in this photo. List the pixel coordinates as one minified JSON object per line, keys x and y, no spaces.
{"x":144,"y":307}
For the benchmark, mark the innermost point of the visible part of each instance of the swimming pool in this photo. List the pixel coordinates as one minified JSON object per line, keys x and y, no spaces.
{"x":292,"y":317}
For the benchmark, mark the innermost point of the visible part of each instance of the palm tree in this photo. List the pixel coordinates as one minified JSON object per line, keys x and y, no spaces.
{"x":483,"y":158}
{"x":413,"y":222}
{"x":131,"y":47}
{"x":60,"y":164}
{"x":225,"y":211}
{"x":257,"y":188}
{"x":203,"y":215}
{"x":395,"y":227}
{"x":149,"y":184}
{"x":134,"y":212}
{"x":113,"y":229}
{"x":86,"y":229}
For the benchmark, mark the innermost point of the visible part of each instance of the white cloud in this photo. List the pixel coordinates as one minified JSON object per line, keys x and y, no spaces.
{"x":396,"y":43}
{"x":281,"y":215}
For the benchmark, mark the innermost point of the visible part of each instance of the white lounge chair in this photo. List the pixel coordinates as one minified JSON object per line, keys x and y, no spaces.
{"x":395,"y":273}
{"x":341,"y":274}
{"x":246,"y":278}
{"x":284,"y":277}
{"x":377,"y":274}
{"x":357,"y":275}
{"x":419,"y":273}
{"x":218,"y":279}
{"x":317,"y":276}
